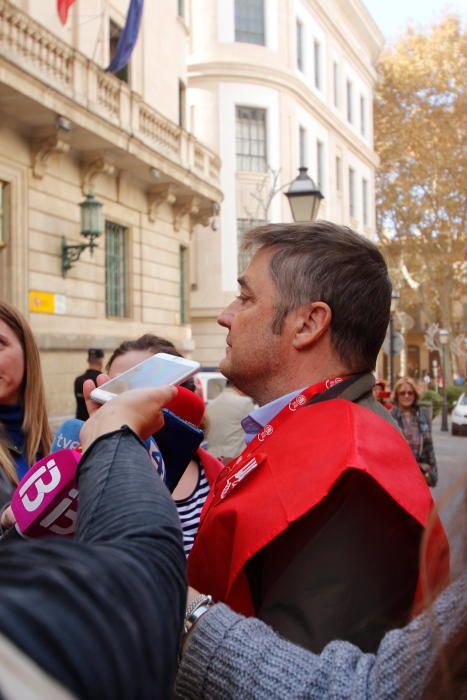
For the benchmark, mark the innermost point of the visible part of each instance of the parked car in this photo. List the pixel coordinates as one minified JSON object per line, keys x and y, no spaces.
{"x":209,"y":384}
{"x":459,"y":415}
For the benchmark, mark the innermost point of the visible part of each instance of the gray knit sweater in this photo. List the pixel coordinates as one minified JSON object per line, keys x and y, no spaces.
{"x":229,"y":656}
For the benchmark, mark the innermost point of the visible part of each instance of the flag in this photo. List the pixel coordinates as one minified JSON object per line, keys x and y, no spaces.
{"x":128,"y":37}
{"x":62,"y":8}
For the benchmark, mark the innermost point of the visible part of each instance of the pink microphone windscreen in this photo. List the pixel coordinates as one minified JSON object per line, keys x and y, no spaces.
{"x":46,"y":499}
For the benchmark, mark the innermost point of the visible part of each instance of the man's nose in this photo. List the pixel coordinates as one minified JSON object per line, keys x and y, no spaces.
{"x":226,"y":317}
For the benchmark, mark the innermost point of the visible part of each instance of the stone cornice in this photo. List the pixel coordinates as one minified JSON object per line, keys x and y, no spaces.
{"x":360,"y":18}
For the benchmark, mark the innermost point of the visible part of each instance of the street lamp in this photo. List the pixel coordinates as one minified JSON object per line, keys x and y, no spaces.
{"x":443,"y":335}
{"x":304,"y":197}
{"x":395,"y":296}
{"x":91,"y":228}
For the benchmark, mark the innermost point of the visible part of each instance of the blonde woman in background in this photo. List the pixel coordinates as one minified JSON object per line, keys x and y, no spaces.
{"x":24,"y":431}
{"x":415,"y":427}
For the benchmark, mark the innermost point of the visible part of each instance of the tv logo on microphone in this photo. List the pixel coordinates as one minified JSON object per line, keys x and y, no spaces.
{"x":46,"y":500}
{"x":64,"y":443}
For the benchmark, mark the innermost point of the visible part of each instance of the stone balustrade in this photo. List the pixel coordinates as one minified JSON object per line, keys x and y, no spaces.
{"x":28,"y":45}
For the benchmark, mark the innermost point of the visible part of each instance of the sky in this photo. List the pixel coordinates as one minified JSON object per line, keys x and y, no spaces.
{"x":393,"y":16}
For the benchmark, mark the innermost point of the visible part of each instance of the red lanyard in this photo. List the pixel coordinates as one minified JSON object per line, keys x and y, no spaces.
{"x":241,"y":466}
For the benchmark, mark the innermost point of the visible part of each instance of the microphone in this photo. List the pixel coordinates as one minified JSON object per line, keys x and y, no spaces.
{"x":67,"y":436}
{"x":188,"y":406}
{"x":46,"y":499}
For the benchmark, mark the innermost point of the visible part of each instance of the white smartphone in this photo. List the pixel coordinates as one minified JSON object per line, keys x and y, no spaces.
{"x":161,"y":368}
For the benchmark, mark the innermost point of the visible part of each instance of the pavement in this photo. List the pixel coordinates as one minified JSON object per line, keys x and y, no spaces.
{"x":450,"y":493}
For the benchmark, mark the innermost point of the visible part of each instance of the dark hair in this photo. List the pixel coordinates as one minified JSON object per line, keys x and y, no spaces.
{"x":95,"y":354}
{"x":322,"y":261}
{"x":152,"y":343}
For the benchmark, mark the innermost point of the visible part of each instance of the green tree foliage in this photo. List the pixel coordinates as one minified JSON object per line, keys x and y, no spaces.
{"x":420,"y":137}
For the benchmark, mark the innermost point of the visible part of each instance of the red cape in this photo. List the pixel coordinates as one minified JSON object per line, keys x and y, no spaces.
{"x":212,"y":466}
{"x":293,"y":470}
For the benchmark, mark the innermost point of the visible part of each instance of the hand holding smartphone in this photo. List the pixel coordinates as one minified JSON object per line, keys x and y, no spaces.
{"x":156,"y":370}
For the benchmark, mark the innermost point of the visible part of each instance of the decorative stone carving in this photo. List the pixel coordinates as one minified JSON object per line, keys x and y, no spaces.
{"x":206,"y":216}
{"x":90,"y":171}
{"x":43,"y":149}
{"x":198,"y":209}
{"x":190,"y":206}
{"x":161,"y":194}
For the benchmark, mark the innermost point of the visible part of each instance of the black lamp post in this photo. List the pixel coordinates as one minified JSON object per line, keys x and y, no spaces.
{"x":91,"y":228}
{"x":304,"y":197}
{"x":443,"y":335}
{"x":394,"y":302}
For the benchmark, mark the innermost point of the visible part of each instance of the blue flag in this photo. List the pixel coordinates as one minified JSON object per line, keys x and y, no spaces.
{"x":128,"y":37}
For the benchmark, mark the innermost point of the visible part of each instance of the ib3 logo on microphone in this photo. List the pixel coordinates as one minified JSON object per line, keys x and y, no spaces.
{"x":40,"y":487}
{"x":46,"y":499}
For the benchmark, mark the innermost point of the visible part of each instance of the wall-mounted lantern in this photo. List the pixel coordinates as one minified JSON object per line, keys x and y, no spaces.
{"x":91,"y":228}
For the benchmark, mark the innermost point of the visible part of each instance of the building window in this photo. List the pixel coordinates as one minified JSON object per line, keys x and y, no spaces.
{"x":251,"y":139}
{"x":4,"y":213}
{"x":114,"y":35}
{"x":351,"y":193}
{"x":362,"y":116}
{"x":181,"y":104}
{"x":349,"y":101}
{"x":338,"y":174}
{"x":302,"y":147}
{"x":317,"y":63}
{"x":320,"y":164}
{"x":300,"y":61}
{"x":184,"y":305}
{"x":249,"y":21}
{"x":365,"y":201}
{"x":115,"y":270}
{"x":243,"y":257}
{"x":335,"y":83}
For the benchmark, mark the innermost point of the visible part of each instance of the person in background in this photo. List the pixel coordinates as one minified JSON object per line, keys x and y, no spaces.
{"x":226,"y":438}
{"x":381,"y":394}
{"x":99,"y":616}
{"x":95,"y":366}
{"x":426,"y":379}
{"x":193,"y":488}
{"x":415,"y":427}
{"x":25,"y":436}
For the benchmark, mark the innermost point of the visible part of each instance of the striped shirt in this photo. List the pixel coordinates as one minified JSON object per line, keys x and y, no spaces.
{"x":189,"y":510}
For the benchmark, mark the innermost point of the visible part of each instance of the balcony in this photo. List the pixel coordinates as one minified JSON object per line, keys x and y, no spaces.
{"x":41,"y":76}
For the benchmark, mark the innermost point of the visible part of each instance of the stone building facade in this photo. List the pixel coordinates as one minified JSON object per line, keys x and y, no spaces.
{"x":185,"y":149}
{"x":272,"y":85}
{"x":68,"y":129}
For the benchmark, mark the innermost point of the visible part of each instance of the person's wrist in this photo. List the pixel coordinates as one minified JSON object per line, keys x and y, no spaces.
{"x":196,"y":608}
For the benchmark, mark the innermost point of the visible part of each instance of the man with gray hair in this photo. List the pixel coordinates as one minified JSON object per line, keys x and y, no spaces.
{"x":315,"y":528}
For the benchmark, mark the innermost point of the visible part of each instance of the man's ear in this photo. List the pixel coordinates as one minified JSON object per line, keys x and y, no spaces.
{"x":312,"y":323}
